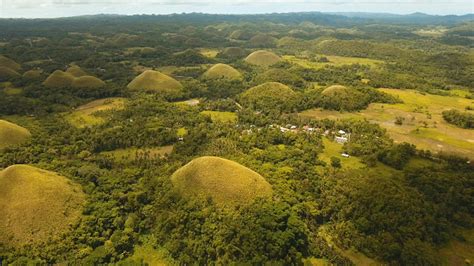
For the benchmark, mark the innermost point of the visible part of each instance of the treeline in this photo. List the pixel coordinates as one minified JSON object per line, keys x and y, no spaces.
{"x":458,"y":118}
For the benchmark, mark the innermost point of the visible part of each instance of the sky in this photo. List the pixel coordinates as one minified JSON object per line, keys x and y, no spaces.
{"x":66,"y":8}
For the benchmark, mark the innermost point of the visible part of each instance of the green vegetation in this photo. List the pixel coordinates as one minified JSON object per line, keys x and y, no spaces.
{"x":262,"y":58}
{"x":7,"y":73}
{"x":345,"y":150}
{"x":226,"y":182}
{"x":37,"y":205}
{"x":11,"y":134}
{"x":455,"y":117}
{"x":269,"y":96}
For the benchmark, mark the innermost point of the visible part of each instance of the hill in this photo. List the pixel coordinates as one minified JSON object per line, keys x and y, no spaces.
{"x":7,"y":73}
{"x":268,"y":95}
{"x":233,"y":53}
{"x":36,"y":205}
{"x":282,"y":76}
{"x":225,"y":181}
{"x":11,"y":134}
{"x":76,"y":71}
{"x":154,"y":81}
{"x":262,"y":41}
{"x":262,"y":58}
{"x":59,"y":79}
{"x":87,"y":82}
{"x":32,"y":74}
{"x":335,"y":90}
{"x":9,"y":63}
{"x":222,"y":71}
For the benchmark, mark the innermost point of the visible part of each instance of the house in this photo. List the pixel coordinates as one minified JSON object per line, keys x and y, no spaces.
{"x":341,"y":140}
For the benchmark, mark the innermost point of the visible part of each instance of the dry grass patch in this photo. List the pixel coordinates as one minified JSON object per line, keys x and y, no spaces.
{"x":131,"y":154}
{"x":224,"y":71}
{"x":263,"y":58}
{"x":86,"y":115}
{"x":155,"y":81}
{"x":223,"y":117}
{"x":36,"y":205}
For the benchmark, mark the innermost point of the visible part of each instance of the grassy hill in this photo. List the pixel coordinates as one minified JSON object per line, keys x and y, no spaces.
{"x":267,"y":95}
{"x":76,"y":71}
{"x":233,"y":53}
{"x":7,"y":73}
{"x":32,"y":74}
{"x":262,"y":41}
{"x":262,"y":58}
{"x":87,"y":82}
{"x":282,"y":76}
{"x":154,"y":81}
{"x":86,"y":115}
{"x":36,"y":205}
{"x":59,"y":79}
{"x":225,"y":181}
{"x":7,"y":62}
{"x":222,"y":71}
{"x":11,"y":134}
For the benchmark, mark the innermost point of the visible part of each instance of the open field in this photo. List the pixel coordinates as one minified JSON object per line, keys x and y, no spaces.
{"x":333,"y":61}
{"x":131,"y":154}
{"x":456,"y":252}
{"x":86,"y":115}
{"x":332,"y":148}
{"x":223,"y":117}
{"x":423,"y":124}
{"x":211,"y":53}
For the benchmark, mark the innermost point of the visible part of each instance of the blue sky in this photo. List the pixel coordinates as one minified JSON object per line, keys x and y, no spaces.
{"x":61,"y":8}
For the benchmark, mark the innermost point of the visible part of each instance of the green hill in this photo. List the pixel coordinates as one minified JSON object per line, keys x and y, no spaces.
{"x":225,"y":181}
{"x":262,"y":58}
{"x":233,"y":53}
{"x":9,"y":63}
{"x":59,"y":79}
{"x":335,"y":90}
{"x":87,"y":82}
{"x":282,"y":76}
{"x":222,"y":71}
{"x":36,"y":205}
{"x":262,"y":41}
{"x":11,"y":134}
{"x":32,"y":74}
{"x":76,"y":71}
{"x":154,"y":81}
{"x":7,"y":73}
{"x":268,"y":95}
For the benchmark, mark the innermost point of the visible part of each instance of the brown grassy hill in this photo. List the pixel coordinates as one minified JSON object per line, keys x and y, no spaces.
{"x":262,"y":58}
{"x":12,"y":134}
{"x":7,"y":62}
{"x":154,"y":81}
{"x":36,"y":205}
{"x":76,"y":71}
{"x":59,"y":79}
{"x":222,"y":71}
{"x":87,"y":82}
{"x":226,"y":182}
{"x":7,"y":73}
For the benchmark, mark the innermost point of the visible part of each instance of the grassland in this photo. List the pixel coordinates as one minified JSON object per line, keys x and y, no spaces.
{"x":423,"y":124}
{"x":36,"y":205}
{"x":131,"y":154}
{"x":222,"y":117}
{"x":12,"y":134}
{"x":226,"y":182}
{"x":87,"y":115}
{"x":210,"y":53}
{"x":333,"y":149}
{"x":333,"y":61}
{"x":457,"y":252}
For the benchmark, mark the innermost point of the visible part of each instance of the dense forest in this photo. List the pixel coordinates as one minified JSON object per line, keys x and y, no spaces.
{"x":136,"y":113}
